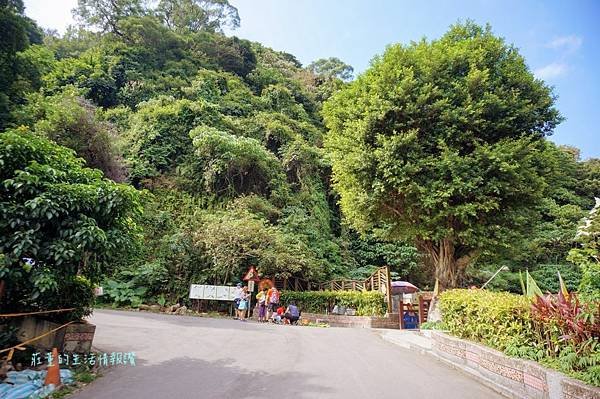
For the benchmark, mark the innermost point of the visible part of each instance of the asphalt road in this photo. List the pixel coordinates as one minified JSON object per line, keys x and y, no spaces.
{"x":191,"y":357}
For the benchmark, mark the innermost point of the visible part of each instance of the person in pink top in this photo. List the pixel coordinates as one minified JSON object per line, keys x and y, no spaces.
{"x":274,"y":299}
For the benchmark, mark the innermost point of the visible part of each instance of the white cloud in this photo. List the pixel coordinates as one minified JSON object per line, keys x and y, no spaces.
{"x":565,"y":46}
{"x":569,"y":43}
{"x":552,"y":70}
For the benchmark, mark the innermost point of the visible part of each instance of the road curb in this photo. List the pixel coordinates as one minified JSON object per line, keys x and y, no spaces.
{"x":387,"y":336}
{"x":513,"y":378}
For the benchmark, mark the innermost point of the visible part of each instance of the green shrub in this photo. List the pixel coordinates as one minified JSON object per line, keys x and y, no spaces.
{"x":123,"y":293}
{"x":498,"y":319}
{"x":80,"y":296}
{"x":559,"y":333}
{"x":433,"y":325}
{"x":62,"y":226}
{"x":366,"y":303}
{"x":545,"y":276}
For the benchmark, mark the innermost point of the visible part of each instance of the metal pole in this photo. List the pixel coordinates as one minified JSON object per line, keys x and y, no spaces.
{"x":502,"y":269}
{"x":249,"y":301}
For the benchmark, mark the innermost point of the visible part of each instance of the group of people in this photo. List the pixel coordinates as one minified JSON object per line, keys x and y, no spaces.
{"x":268,"y":306}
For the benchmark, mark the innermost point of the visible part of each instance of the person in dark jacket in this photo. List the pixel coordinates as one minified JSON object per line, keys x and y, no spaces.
{"x":292,"y":313}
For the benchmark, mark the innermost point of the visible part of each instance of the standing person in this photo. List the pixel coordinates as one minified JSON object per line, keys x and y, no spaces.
{"x":237,"y":294}
{"x":261,"y":297}
{"x":243,"y":305}
{"x":268,"y":303}
{"x":274,"y":299}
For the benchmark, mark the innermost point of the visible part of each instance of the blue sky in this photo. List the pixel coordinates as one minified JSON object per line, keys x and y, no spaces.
{"x":560,"y":40}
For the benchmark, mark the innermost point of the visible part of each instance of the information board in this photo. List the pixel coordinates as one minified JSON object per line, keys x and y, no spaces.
{"x":225,"y":293}
{"x":196,"y":291}
{"x":212,"y":292}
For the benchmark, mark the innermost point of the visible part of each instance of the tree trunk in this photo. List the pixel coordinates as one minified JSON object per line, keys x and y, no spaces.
{"x":449,"y":268}
{"x":446,"y":269}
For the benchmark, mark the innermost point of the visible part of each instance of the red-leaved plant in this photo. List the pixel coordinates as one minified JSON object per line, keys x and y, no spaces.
{"x":563,"y":321}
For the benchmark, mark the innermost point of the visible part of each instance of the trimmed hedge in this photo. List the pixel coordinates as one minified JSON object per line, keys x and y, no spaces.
{"x":499,"y":319}
{"x":506,"y":322}
{"x":366,"y":303}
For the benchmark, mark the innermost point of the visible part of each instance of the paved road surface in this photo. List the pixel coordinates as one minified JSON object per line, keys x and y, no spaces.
{"x":188,"y":357}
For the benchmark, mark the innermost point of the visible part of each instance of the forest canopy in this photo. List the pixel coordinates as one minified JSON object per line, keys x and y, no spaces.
{"x":192,"y":155}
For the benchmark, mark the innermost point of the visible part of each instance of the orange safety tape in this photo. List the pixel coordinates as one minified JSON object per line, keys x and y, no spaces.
{"x":36,"y":338}
{"x":40,"y":312}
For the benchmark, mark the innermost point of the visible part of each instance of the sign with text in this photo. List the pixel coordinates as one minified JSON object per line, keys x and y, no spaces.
{"x":212,"y":292}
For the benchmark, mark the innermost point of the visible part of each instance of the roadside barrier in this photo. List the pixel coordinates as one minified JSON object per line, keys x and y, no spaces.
{"x":32,"y":313}
{"x":20,"y":346}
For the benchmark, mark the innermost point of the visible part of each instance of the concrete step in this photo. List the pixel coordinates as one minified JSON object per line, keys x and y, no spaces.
{"x":407,"y":339}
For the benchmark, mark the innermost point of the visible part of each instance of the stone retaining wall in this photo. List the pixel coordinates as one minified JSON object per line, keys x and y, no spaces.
{"x":517,"y":378}
{"x":77,"y":337}
{"x":390,"y":321}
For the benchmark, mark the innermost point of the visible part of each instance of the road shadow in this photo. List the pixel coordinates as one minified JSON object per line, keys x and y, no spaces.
{"x":184,"y":378}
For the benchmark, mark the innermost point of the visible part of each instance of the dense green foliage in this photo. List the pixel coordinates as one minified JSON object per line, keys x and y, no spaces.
{"x":367,"y":303}
{"x":330,"y":68}
{"x":17,"y":32}
{"x":560,"y":333}
{"x":500,"y":320}
{"x":569,"y":195}
{"x":226,"y":139}
{"x":62,"y":225}
{"x":587,"y":255}
{"x":441,"y":143}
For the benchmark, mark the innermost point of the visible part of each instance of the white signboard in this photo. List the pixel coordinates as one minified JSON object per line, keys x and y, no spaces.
{"x":196,"y":291}
{"x":212,"y":292}
{"x":224,"y":293}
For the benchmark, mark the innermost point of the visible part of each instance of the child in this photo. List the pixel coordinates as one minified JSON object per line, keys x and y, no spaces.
{"x":277,"y":315}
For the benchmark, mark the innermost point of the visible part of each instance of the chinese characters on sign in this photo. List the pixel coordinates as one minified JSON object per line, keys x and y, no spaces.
{"x":90,"y":359}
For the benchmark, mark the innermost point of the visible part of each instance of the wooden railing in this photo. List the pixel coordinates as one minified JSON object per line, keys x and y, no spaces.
{"x":295,"y":284}
{"x":343,"y":285}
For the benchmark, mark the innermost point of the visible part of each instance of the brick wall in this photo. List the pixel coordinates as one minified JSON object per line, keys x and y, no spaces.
{"x":517,"y":377}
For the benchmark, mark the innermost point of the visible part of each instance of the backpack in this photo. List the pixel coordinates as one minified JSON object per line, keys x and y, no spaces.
{"x":275,"y":297}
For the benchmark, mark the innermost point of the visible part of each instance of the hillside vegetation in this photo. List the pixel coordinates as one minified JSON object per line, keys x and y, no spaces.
{"x":210,"y":151}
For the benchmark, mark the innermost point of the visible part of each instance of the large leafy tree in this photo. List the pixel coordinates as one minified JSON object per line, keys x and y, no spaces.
{"x":106,"y":14}
{"x":332,"y":67}
{"x":178,"y":15}
{"x":197,"y":15}
{"x":236,"y":239}
{"x":229,"y":165}
{"x":71,"y":121}
{"x":442,"y":143}
{"x":17,"y":32}
{"x":60,"y":223}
